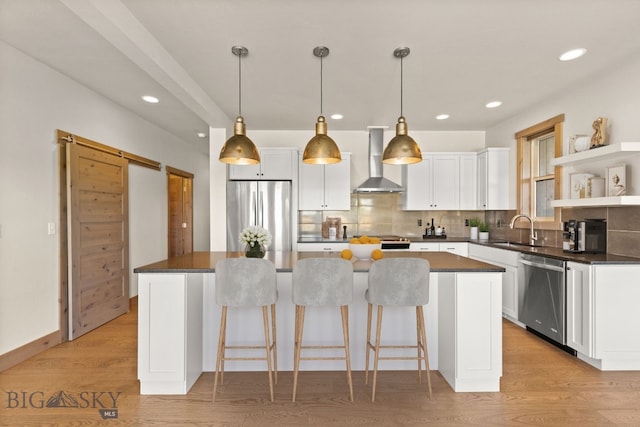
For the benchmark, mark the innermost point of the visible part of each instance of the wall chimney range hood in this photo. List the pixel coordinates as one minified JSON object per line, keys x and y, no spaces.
{"x":376,"y":183}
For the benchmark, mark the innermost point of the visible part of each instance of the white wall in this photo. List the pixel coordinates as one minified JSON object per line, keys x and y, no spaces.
{"x":35,"y":101}
{"x":615,"y":95}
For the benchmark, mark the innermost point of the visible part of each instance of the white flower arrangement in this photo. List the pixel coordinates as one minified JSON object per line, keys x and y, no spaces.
{"x":255,"y":234}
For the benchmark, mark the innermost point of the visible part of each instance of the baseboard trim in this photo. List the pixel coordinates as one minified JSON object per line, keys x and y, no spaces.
{"x":28,"y":350}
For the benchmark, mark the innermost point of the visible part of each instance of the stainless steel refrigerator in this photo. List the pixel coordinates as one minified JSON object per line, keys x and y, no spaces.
{"x":263,"y":203}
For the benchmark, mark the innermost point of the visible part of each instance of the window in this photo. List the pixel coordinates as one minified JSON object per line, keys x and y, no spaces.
{"x":538,"y":181}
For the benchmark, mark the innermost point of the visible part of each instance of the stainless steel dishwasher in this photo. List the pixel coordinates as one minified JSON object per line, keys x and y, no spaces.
{"x":543,"y":305}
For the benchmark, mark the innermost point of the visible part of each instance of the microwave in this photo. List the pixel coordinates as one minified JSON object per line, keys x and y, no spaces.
{"x":587,"y":236}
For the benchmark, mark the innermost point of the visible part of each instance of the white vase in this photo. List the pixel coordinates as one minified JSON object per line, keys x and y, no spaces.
{"x":484,"y":235}
{"x":473,"y":233}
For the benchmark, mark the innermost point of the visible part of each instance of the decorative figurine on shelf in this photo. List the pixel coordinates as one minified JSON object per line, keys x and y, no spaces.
{"x":600,"y":132}
{"x":618,"y":188}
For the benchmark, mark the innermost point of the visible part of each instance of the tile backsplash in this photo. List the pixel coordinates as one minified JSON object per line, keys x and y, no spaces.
{"x":382,"y":214}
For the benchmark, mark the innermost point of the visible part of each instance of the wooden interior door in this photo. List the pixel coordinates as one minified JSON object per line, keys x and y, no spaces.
{"x":180,"y":197}
{"x":98,"y":243}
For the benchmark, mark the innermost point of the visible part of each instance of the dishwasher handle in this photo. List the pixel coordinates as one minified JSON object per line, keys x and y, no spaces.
{"x":543,"y":266}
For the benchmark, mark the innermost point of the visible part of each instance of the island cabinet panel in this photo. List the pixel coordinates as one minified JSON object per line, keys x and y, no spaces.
{"x":470,"y":330}
{"x":169,"y":332}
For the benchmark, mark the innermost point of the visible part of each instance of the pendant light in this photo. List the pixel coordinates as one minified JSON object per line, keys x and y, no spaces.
{"x":321,"y":149}
{"x":402,"y":149}
{"x":239,"y":149}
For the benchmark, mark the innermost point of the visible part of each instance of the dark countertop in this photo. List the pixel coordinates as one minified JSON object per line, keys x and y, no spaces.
{"x":522,"y":248}
{"x":204,"y":262}
{"x":317,"y":239}
{"x":559,"y":253}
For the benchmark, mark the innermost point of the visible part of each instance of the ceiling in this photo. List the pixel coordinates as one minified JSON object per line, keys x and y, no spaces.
{"x":464,"y":53}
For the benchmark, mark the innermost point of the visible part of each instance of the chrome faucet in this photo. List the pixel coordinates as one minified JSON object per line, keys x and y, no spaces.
{"x":533,"y":235}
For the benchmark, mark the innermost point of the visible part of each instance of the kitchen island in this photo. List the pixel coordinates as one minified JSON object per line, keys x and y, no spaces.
{"x":178,"y":321}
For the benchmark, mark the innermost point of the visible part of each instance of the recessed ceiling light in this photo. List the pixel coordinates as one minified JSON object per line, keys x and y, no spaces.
{"x":493,"y":104}
{"x":572,"y":54}
{"x":150,"y":99}
{"x":201,"y":135}
{"x":337,"y":116}
{"x":442,"y":116}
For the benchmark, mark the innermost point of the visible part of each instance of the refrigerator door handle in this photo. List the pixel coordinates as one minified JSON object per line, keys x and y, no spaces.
{"x":259,"y":211}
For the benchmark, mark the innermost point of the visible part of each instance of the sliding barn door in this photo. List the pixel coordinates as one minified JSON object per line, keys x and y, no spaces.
{"x":97,"y":218}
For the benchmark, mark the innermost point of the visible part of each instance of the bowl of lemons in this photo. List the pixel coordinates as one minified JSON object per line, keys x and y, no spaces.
{"x":365,"y":248}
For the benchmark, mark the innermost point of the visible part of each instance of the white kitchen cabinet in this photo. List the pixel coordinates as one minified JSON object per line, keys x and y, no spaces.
{"x":325,"y":187}
{"x":424,"y":247}
{"x":579,"y":308}
{"x":468,"y":178}
{"x":511,"y":281}
{"x":616,"y":318}
{"x":323,"y":246}
{"x":275,"y":164}
{"x":493,"y":178}
{"x":433,"y":184}
{"x":458,"y":248}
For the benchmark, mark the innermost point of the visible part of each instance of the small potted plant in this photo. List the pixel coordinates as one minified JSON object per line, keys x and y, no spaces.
{"x":473,"y":231}
{"x":483,"y":229}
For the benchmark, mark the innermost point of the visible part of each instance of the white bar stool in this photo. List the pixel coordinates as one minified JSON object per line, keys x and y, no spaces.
{"x":247,"y":282}
{"x":398,"y":282}
{"x":322,"y":282}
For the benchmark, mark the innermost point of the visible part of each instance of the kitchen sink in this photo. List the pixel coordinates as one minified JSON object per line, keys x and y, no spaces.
{"x":514,"y":244}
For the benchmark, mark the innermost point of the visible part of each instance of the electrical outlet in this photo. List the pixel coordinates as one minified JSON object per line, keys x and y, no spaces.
{"x":419,"y":223}
{"x":466,"y":222}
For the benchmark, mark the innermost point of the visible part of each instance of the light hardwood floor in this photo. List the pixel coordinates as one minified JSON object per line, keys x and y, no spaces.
{"x":541,"y":385}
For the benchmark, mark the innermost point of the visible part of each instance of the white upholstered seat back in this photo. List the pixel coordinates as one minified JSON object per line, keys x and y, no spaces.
{"x":244,"y":282}
{"x":399,"y":281}
{"x":322,"y":282}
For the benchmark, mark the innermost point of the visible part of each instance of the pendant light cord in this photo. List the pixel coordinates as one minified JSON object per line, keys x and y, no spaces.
{"x":321,"y":85}
{"x":240,"y":85}
{"x":401,"y":85}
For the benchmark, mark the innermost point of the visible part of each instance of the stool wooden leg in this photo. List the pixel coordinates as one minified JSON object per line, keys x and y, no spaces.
{"x":267,"y":346}
{"x":298,"y":347}
{"x":418,"y":346}
{"x":366,"y":364}
{"x":220,"y":355}
{"x":376,"y":354}
{"x":345,"y":333}
{"x":425,"y":350}
{"x":274,"y":342}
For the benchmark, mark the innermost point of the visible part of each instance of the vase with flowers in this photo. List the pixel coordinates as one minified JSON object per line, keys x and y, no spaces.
{"x":255,"y":239}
